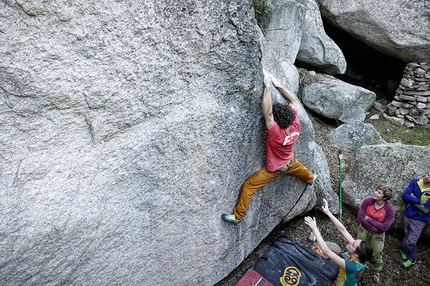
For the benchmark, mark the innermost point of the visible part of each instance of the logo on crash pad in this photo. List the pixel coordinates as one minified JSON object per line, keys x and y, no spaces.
{"x":291,"y":276}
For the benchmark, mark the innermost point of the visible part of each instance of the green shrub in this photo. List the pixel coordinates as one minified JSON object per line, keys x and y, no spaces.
{"x":261,"y":7}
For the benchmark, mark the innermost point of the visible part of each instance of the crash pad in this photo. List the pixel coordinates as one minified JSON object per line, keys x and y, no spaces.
{"x":287,"y":262}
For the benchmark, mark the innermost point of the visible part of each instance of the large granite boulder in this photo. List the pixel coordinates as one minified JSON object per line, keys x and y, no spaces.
{"x":335,"y":99}
{"x":295,"y":32}
{"x":127,"y":128}
{"x":317,"y":51}
{"x":282,"y":28}
{"x":394,"y":165}
{"x":395,"y":28}
{"x":351,"y":136}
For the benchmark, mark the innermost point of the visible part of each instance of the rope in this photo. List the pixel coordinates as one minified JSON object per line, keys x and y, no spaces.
{"x":340,"y":185}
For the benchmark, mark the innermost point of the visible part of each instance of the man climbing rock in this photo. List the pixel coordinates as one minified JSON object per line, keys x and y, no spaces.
{"x":282,"y":131}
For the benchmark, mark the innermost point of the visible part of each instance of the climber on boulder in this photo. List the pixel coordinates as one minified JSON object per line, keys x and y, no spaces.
{"x":282,"y":131}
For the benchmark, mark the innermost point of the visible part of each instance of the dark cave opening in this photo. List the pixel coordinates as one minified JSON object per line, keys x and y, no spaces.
{"x":367,"y":67}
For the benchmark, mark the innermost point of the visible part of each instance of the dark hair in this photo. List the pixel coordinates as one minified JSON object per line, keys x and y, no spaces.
{"x":365,"y":252}
{"x":386,"y":190}
{"x":283,"y":115}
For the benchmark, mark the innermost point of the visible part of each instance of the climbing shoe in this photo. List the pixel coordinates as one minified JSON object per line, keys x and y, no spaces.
{"x":230,"y":218}
{"x":404,"y":255}
{"x":315,"y":178}
{"x":376,"y":277}
{"x":408,"y":263}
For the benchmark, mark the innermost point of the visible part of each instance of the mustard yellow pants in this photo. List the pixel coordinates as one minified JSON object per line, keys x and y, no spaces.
{"x":262,"y":178}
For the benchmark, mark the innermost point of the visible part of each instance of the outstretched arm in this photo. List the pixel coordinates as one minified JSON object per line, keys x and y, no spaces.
{"x":266,"y":103}
{"x":337,"y":223}
{"x":312,"y":223}
{"x":285,"y":92}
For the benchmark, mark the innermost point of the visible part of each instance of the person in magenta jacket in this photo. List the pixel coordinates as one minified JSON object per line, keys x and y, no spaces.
{"x":376,"y":215}
{"x":416,"y":215}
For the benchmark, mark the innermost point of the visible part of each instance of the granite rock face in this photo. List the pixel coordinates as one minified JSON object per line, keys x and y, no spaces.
{"x":295,"y":32}
{"x":397,"y":29}
{"x":351,"y":136}
{"x":127,"y":128}
{"x":336,"y":99}
{"x":317,"y":50}
{"x":282,"y":27}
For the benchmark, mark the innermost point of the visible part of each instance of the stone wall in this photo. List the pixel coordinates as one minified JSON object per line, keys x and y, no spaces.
{"x":411,"y":104}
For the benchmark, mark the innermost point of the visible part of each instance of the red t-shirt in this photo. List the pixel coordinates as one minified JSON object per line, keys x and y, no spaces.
{"x":376,"y":215}
{"x":279,"y":144}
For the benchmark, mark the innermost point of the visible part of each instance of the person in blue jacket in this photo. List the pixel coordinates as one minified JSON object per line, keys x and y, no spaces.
{"x":416,"y":215}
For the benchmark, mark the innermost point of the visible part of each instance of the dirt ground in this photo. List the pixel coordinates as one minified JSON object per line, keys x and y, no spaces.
{"x":296,"y":229}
